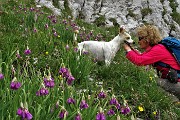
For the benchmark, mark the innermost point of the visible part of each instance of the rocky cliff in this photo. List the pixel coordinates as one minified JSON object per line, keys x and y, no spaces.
{"x":131,"y":13}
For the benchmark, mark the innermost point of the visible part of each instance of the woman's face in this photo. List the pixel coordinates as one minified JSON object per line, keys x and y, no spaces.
{"x":143,"y":44}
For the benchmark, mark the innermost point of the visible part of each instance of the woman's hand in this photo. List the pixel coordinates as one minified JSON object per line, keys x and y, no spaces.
{"x":127,"y":47}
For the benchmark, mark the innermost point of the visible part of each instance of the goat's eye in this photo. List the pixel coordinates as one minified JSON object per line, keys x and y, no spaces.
{"x":127,"y":37}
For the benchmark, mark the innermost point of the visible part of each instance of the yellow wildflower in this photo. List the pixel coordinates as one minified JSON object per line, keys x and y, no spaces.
{"x":154,"y":112}
{"x":60,"y":77}
{"x":141,"y":108}
{"x":46,"y":52}
{"x":150,"y":78}
{"x":59,"y":36}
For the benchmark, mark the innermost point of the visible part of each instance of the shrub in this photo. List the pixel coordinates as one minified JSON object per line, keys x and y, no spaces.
{"x":114,"y":21}
{"x":146,"y":11}
{"x":176,"y":17}
{"x":130,"y":13}
{"x":100,"y":21}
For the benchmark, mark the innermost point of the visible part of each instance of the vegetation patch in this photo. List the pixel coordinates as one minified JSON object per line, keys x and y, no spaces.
{"x":81,"y":15}
{"x":130,"y":13}
{"x":56,"y":3}
{"x":145,"y":11}
{"x":67,"y":11}
{"x":114,"y":21}
{"x":175,"y":15}
{"x":100,"y":21}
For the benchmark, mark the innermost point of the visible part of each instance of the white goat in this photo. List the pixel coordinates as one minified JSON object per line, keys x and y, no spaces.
{"x":105,"y":51}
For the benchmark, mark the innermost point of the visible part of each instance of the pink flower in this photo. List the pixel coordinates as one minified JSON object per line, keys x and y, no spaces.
{"x":31,"y":9}
{"x":125,"y":110}
{"x":27,"y":52}
{"x":64,"y":72}
{"x":100,"y":116}
{"x":71,"y":101}
{"x":35,"y":30}
{"x":113,"y":101}
{"x":18,"y":55}
{"x":111,"y":112}
{"x":65,"y":22}
{"x":15,"y":85}
{"x":75,"y":49}
{"x":63,"y":113}
{"x":49,"y":82}
{"x":24,"y":114}
{"x":55,"y":34}
{"x":54,"y":21}
{"x":42,"y":91}
{"x":101,"y":95}
{"x":78,"y":117}
{"x":1,"y":76}
{"x":83,"y":104}
{"x":67,"y":47}
{"x":70,"y":79}
{"x":46,"y":26}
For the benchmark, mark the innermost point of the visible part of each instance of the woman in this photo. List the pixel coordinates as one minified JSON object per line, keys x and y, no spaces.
{"x":149,"y":37}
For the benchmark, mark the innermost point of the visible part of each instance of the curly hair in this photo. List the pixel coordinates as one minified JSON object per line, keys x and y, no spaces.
{"x":150,"y":33}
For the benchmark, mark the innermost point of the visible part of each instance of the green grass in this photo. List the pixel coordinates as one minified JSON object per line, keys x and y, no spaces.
{"x":131,"y":85}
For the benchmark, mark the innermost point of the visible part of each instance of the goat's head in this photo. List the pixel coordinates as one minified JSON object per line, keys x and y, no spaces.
{"x":125,"y":36}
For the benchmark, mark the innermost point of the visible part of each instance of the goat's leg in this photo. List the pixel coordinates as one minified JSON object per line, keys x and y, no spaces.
{"x":107,"y":59}
{"x":107,"y":62}
{"x":107,"y":56}
{"x":80,"y":48}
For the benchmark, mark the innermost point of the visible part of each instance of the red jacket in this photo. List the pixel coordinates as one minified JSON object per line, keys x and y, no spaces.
{"x":152,"y":55}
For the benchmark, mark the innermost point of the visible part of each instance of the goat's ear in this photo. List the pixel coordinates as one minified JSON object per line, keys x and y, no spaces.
{"x":121,"y":30}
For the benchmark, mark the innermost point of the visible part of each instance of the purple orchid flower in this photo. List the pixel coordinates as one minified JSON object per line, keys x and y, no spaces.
{"x":63,"y":113}
{"x":1,"y":76}
{"x":113,"y":101}
{"x":110,"y":112}
{"x":102,"y":94}
{"x":71,"y":101}
{"x":24,"y":114}
{"x":49,"y":82}
{"x":100,"y":116}
{"x":78,"y":117}
{"x":15,"y":85}
{"x":125,"y":110}
{"x":27,"y":51}
{"x":42,"y":91}
{"x":83,"y":104}
{"x":70,"y":79}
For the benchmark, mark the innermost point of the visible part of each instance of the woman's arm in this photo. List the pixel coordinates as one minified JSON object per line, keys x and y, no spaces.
{"x":146,"y":58}
{"x":128,"y":49}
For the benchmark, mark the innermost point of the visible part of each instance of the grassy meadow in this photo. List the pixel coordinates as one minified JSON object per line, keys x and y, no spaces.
{"x":42,"y":76}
